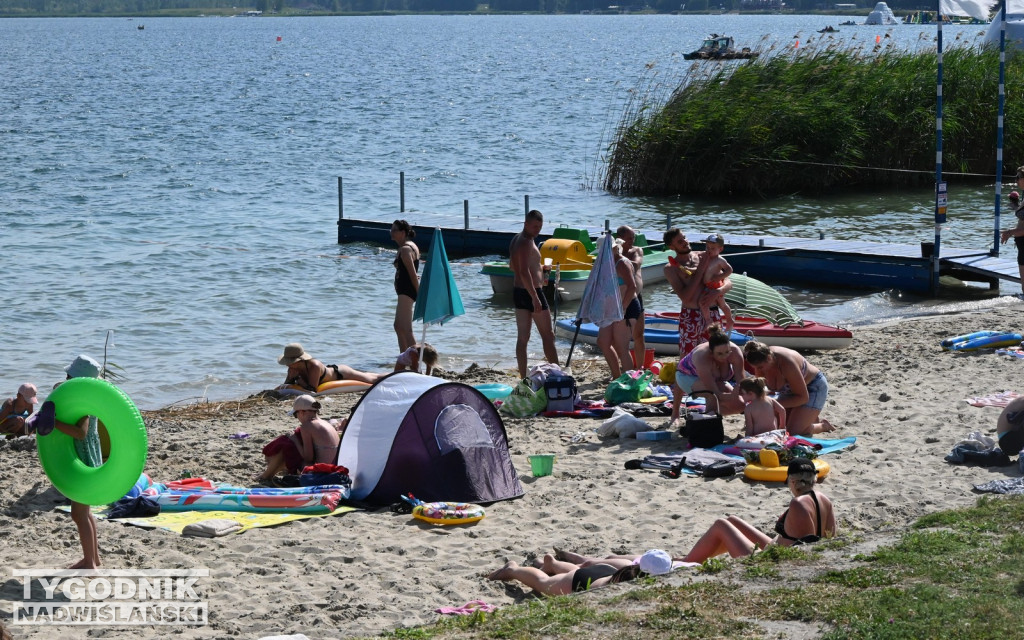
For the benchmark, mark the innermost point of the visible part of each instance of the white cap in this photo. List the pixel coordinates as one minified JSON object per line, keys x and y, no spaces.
{"x":655,"y":562}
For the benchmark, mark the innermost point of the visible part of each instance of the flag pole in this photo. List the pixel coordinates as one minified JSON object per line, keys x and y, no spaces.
{"x":999,"y":125}
{"x":940,"y":195}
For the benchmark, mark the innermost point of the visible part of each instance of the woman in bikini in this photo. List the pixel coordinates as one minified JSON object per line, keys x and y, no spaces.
{"x":808,"y":518}
{"x":314,"y":440}
{"x":716,"y":366}
{"x":802,"y":387}
{"x":557,"y":576}
{"x":407,"y":283}
{"x":307,"y":372}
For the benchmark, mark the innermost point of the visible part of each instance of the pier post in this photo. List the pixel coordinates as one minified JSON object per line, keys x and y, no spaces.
{"x":341,"y":209}
{"x":821,"y":235}
{"x":760,"y":242}
{"x":401,"y":191}
{"x":607,"y":225}
{"x":465,"y":214}
{"x":668,"y":221}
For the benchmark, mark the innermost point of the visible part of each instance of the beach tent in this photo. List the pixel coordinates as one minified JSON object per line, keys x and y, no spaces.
{"x":439,"y":440}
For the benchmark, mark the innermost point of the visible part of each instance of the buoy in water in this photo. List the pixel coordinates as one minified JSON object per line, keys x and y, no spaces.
{"x":279,"y":38}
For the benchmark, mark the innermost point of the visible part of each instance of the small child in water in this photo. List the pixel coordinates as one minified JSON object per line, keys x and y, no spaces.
{"x":409,"y":360}
{"x":762,"y":414}
{"x":715,"y":277}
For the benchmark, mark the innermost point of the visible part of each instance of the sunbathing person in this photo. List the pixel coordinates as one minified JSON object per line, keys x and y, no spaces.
{"x":808,"y":518}
{"x":307,"y":372}
{"x":314,"y":440}
{"x":557,"y":577}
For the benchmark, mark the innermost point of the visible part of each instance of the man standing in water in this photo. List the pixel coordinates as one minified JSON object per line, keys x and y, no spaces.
{"x":635,"y":255}
{"x":527,"y":292}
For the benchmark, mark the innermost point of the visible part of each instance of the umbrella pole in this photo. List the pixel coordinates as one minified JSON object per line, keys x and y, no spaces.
{"x":423,"y":340}
{"x":568,"y":359}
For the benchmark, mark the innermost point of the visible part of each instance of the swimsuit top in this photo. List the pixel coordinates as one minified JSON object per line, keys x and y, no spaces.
{"x":784,"y":390}
{"x":403,"y":282}
{"x":14,"y":414}
{"x":686,"y":367}
{"x":1019,"y":212}
{"x":780,"y":525}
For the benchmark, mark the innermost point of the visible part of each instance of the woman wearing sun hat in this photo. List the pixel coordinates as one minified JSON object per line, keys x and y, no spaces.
{"x":1017,"y":233}
{"x":309,"y":373}
{"x":14,"y":410}
{"x":808,"y":518}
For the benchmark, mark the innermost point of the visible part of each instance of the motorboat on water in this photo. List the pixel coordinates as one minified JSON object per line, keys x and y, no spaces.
{"x":716,"y":47}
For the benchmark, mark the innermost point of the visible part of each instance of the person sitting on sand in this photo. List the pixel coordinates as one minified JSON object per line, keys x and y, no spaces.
{"x":314,"y":440}
{"x":762,"y":414}
{"x":1010,"y":427}
{"x":802,"y":387}
{"x":557,"y":577}
{"x":409,"y":360}
{"x":808,"y":518}
{"x":14,"y":411}
{"x":307,"y":372}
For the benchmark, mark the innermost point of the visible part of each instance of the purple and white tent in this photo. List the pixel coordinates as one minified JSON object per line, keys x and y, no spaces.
{"x":439,"y":440}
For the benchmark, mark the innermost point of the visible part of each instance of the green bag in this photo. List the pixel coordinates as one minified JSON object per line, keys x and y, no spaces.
{"x":626,"y":388}
{"x":524,"y":401}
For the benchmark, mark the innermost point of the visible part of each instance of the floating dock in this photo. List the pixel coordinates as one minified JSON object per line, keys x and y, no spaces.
{"x":818,"y":261}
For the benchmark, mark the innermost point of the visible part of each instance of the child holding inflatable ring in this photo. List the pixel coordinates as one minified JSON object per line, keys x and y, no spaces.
{"x":87,"y":446}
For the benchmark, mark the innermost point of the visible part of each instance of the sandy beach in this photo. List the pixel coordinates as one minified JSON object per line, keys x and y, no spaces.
{"x":365,"y":572}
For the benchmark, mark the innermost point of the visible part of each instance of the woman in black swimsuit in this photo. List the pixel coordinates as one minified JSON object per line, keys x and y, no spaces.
{"x":407,"y":283}
{"x":808,"y":518}
{"x":558,"y":578}
{"x":307,"y":372}
{"x":1017,"y":233}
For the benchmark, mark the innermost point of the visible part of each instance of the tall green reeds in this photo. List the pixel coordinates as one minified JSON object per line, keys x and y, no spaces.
{"x":816,"y":119}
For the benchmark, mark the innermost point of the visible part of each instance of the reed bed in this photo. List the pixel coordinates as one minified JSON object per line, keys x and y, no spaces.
{"x":815,"y":119}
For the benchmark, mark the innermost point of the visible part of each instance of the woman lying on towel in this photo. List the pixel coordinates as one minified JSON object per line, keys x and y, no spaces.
{"x":314,"y":440}
{"x":808,"y":518}
{"x":557,"y":577}
{"x":309,"y":373}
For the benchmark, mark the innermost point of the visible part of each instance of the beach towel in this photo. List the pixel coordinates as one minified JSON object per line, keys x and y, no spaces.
{"x":177,"y":521}
{"x":821,"y":445}
{"x":1015,"y":352}
{"x":212,"y":528}
{"x":1000,"y":399}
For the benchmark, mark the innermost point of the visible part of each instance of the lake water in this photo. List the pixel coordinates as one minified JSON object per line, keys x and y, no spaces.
{"x":177,"y":185}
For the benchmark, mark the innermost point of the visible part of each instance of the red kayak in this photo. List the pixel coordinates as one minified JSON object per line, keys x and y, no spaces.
{"x":809,"y":335}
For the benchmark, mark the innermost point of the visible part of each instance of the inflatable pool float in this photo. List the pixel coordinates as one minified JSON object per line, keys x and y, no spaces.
{"x":256,"y":503}
{"x":446,"y":513}
{"x":778,"y":474}
{"x":341,"y":386}
{"x":120,"y":471}
{"x":494,"y":390}
{"x":949,"y":342}
{"x":991,"y":341}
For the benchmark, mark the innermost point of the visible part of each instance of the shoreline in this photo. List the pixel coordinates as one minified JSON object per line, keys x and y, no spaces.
{"x":367,"y":572}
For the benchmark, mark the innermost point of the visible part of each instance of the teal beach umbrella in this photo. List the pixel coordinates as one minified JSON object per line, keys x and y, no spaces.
{"x":438,"y":300}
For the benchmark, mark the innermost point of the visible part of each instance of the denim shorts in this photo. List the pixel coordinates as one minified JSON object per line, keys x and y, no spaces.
{"x":817,"y":392}
{"x":686,"y":382}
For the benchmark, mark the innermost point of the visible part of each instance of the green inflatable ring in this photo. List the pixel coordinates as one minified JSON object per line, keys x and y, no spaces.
{"x":94,"y":485}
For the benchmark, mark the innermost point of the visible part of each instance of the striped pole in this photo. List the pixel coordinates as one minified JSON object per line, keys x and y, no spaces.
{"x":999,"y":124}
{"x":938,"y":158}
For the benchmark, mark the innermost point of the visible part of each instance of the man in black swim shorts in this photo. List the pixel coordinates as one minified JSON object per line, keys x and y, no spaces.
{"x":528,"y":277}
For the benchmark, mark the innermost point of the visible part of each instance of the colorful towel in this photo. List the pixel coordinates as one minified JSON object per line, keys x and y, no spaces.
{"x":1015,"y":352}
{"x":176,"y":522}
{"x":994,"y":400}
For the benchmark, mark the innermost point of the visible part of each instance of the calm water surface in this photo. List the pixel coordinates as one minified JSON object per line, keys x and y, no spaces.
{"x":177,"y":185}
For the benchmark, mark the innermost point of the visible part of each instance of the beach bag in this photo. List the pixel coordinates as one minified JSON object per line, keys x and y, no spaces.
{"x":704,"y":430}
{"x":626,"y":388}
{"x":524,"y":401}
{"x":720,"y":469}
{"x":560,"y":390}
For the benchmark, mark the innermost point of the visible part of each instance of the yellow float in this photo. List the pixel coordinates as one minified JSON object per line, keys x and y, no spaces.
{"x":446,"y":513}
{"x":341,"y":386}
{"x":778,"y":473}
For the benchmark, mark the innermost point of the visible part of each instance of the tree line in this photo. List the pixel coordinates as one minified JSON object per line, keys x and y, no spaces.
{"x":14,"y":8}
